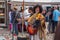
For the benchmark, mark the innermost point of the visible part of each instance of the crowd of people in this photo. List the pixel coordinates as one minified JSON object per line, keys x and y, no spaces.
{"x":38,"y":22}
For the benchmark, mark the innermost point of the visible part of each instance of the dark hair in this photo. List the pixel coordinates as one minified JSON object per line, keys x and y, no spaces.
{"x":31,"y":8}
{"x":52,"y":9}
{"x":21,"y":9}
{"x":40,"y":8}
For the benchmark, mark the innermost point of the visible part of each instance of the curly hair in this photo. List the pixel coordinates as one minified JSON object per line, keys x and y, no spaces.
{"x":40,"y":8}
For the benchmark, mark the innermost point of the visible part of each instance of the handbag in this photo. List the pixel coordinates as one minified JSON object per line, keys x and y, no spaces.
{"x":31,"y":30}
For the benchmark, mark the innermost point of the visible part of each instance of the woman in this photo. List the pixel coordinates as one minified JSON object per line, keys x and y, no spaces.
{"x":37,"y":21}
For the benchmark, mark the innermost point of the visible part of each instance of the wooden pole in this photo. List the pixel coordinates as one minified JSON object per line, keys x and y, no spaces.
{"x":23,"y":17}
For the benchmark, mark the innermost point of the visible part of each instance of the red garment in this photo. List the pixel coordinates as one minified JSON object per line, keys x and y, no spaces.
{"x":10,"y":26}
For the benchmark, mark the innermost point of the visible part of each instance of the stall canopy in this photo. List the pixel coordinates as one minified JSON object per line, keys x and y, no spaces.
{"x":38,"y":0}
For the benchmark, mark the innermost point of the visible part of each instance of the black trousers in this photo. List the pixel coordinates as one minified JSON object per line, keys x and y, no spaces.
{"x":54,"y":24}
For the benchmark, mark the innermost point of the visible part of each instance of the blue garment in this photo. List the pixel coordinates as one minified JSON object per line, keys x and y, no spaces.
{"x":13,"y":17}
{"x":14,"y":22}
{"x":56,"y":15}
{"x":47,"y":18}
{"x":15,"y":29}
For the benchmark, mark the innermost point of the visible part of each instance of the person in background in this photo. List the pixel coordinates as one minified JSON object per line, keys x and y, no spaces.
{"x":30,"y":10}
{"x":26,"y":16}
{"x":55,"y":18}
{"x":44,"y":13}
{"x":50,"y":19}
{"x":14,"y":21}
{"x":10,"y":24}
{"x":47,"y":21}
{"x":19,"y":19}
{"x":10,"y":15}
{"x":57,"y":33}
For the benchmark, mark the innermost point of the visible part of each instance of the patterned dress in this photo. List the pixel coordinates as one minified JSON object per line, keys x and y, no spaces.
{"x":41,"y":28}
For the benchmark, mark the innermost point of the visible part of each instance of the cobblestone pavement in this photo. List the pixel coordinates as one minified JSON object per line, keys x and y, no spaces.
{"x":6,"y":35}
{"x":50,"y":36}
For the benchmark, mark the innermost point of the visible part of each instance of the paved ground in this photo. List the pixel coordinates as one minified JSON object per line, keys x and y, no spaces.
{"x":50,"y":37}
{"x":6,"y":35}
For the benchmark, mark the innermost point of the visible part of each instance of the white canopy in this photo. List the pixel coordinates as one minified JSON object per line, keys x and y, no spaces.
{"x":38,"y":0}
